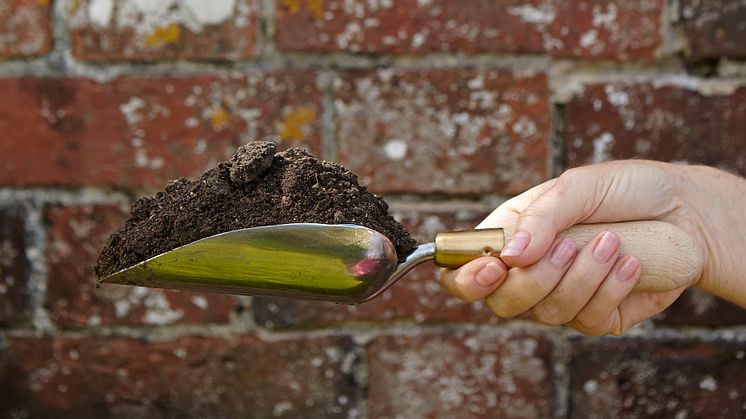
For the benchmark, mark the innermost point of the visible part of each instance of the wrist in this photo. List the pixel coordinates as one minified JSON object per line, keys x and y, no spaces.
{"x":713,"y":204}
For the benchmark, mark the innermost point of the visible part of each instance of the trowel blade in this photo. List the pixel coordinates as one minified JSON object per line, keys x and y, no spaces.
{"x":340,"y":263}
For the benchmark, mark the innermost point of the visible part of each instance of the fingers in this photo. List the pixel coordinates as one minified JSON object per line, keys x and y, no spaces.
{"x":639,"y":306}
{"x":560,"y":285}
{"x":506,"y":214}
{"x":633,"y":308}
{"x":601,"y":315}
{"x":524,"y":287}
{"x":570,"y":199}
{"x":475,"y":280}
{"x":580,"y":282}
{"x":610,"y":192}
{"x":590,"y":290}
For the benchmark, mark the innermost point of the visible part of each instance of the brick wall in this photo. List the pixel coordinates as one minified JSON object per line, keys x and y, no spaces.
{"x":445,"y":107}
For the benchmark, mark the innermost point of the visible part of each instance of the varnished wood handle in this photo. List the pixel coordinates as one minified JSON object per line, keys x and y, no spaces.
{"x":668,"y":256}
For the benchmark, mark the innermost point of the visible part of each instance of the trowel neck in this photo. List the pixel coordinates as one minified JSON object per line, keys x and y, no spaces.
{"x":422,"y":253}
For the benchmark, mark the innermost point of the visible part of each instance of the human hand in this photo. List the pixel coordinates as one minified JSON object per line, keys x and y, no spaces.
{"x":591,"y":289}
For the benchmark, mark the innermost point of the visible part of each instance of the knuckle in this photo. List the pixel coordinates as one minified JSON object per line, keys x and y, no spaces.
{"x":619,"y":330}
{"x":468,"y":297}
{"x":448,"y":280}
{"x":619,"y":326}
{"x":444,"y":275}
{"x":500,"y":308}
{"x":549,"y":313}
{"x":590,"y":321}
{"x":568,"y":176}
{"x":590,"y":328}
{"x":596,"y":332}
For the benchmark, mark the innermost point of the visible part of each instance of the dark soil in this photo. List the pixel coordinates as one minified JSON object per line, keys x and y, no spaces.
{"x":256,"y":187}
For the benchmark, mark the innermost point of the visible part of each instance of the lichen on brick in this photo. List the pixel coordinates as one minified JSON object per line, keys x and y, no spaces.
{"x":133,"y":29}
{"x":473,"y":131}
{"x":26,"y":28}
{"x":76,"y":235}
{"x":413,"y":376}
{"x":622,"y":30}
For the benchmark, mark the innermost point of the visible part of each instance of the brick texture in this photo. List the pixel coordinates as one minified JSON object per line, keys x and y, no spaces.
{"x":418,"y":296}
{"x":698,"y":308}
{"x":622,"y":30}
{"x":76,"y":235}
{"x":191,"y":377}
{"x":26,"y":28}
{"x":714,"y":28}
{"x":134,"y":30}
{"x":460,"y":375}
{"x":646,"y":378}
{"x":444,"y":107}
{"x":14,"y":267}
{"x":448,"y":131}
{"x":135,"y":132}
{"x":668,"y":123}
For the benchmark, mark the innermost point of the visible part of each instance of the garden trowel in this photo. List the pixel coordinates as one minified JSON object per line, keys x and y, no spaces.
{"x":352,"y":264}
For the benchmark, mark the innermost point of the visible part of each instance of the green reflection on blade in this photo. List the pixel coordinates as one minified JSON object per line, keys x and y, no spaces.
{"x":304,"y":261}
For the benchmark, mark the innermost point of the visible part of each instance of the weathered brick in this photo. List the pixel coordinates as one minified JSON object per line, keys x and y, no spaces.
{"x":448,"y":131}
{"x":616,"y":29}
{"x":14,"y":267}
{"x":26,"y":28}
{"x":190,"y":377}
{"x":714,"y":28}
{"x":667,"y":122}
{"x":698,"y":308}
{"x":135,"y":132}
{"x":418,"y":296}
{"x":635,"y":378}
{"x":163,"y":29}
{"x":464,"y":375}
{"x":76,"y":235}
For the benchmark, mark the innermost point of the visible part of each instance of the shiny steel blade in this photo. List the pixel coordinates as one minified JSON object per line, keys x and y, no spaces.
{"x":340,"y":263}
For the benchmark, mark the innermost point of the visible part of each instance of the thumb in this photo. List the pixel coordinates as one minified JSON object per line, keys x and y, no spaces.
{"x":569,"y":201}
{"x":475,"y":280}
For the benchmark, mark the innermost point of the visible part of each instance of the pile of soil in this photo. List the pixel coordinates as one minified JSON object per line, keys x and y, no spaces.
{"x":256,"y":187}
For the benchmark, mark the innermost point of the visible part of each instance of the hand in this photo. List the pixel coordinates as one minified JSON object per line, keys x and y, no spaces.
{"x":590,"y":289}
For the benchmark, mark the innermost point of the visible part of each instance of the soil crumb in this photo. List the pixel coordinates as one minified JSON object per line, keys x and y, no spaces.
{"x":257,"y":187}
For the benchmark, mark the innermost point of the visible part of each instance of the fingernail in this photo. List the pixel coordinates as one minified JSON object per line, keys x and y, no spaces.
{"x":516,"y":245}
{"x":489,"y":275}
{"x":606,"y":247}
{"x":628,"y":269}
{"x":562,"y":252}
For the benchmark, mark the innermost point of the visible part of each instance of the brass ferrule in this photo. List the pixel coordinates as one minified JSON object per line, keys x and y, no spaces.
{"x":454,"y":249}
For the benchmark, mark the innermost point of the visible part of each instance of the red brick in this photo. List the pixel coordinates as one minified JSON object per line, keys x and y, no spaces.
{"x":714,"y":28}
{"x":190,"y":377}
{"x":447,"y":131}
{"x":699,"y":308}
{"x":460,"y":375}
{"x":76,"y":235}
{"x":634,"y":378}
{"x":666,"y":122}
{"x":135,"y":132}
{"x":26,"y":28}
{"x":418,"y":296}
{"x":623,"y":30}
{"x":14,"y":267}
{"x":133,"y":30}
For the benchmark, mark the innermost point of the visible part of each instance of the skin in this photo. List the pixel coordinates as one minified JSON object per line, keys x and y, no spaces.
{"x":590,"y":289}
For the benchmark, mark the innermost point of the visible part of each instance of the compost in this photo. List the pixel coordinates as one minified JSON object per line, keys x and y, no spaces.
{"x":257,"y":187}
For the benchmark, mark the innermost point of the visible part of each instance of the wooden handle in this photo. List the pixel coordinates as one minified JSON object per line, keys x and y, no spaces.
{"x":668,"y":256}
